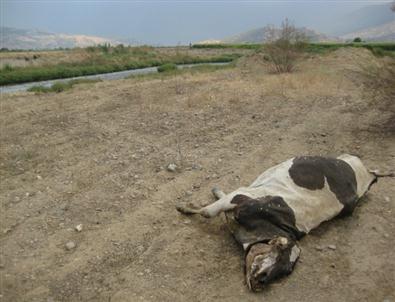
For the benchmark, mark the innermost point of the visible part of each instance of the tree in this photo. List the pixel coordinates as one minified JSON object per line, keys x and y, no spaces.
{"x":357,"y":40}
{"x":284,"y":47}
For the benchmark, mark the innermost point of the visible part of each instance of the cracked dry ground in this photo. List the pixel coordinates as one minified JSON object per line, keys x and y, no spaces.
{"x":97,"y":156}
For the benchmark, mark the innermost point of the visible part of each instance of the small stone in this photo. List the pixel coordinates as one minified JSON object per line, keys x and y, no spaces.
{"x":333,"y":265}
{"x":148,"y":271}
{"x":70,"y":245}
{"x":39,"y":177}
{"x":172,"y":167}
{"x":387,"y":199}
{"x":319,"y":248}
{"x":187,"y":221}
{"x":27,"y":194}
{"x":332,"y":247}
{"x":188,"y":193}
{"x":140,"y":274}
{"x":78,"y":228}
{"x":7,"y":230}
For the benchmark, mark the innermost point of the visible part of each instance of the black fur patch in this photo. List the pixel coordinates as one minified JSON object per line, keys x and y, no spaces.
{"x":261,"y":219}
{"x":310,"y":172}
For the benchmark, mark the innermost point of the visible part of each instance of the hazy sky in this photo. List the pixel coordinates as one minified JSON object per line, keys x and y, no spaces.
{"x":170,"y":22}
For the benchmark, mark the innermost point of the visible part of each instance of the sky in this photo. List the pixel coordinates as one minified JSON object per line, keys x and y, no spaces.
{"x":171,"y":22}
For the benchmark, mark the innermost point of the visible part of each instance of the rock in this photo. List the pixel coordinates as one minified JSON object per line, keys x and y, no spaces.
{"x":387,"y":199}
{"x":188,"y":193}
{"x":196,"y":167}
{"x":7,"y":230}
{"x":319,"y":248}
{"x":70,"y":245}
{"x":172,"y":167}
{"x":332,"y":247}
{"x":78,"y":228}
{"x":39,"y":177}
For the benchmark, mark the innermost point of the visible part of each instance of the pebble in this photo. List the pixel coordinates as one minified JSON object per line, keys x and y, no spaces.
{"x":188,"y":193}
{"x":172,"y":167}
{"x":70,"y":245}
{"x":387,"y":199}
{"x":78,"y":228}
{"x":332,"y":247}
{"x":39,"y":177}
{"x":319,"y":248}
{"x":196,"y":167}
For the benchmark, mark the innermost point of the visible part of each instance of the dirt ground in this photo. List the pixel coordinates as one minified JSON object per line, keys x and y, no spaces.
{"x":96,"y":155}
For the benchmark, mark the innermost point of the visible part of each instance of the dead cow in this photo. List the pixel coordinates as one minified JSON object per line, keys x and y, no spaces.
{"x":284,"y":203}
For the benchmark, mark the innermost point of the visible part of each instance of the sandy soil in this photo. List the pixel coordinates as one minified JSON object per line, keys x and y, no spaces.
{"x":97,"y":156}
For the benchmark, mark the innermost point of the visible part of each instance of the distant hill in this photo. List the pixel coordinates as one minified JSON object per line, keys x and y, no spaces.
{"x":13,"y":38}
{"x":364,"y":18}
{"x":260,"y":35}
{"x":384,"y":32}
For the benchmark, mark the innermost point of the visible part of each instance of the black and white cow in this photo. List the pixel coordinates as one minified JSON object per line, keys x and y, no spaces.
{"x":284,"y":203}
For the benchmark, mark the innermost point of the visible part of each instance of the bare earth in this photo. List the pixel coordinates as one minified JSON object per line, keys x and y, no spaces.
{"x":96,"y":155}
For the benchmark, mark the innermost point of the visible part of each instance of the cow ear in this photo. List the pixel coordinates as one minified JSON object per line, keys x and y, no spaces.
{"x":240,"y":199}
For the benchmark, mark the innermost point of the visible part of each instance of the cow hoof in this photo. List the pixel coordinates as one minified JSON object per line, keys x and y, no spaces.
{"x":185,"y":210}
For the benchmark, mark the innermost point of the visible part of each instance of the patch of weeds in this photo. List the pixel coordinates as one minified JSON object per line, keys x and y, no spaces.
{"x":167,"y":67}
{"x":61,"y":86}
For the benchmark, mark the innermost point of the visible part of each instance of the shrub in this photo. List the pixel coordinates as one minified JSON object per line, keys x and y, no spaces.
{"x":167,"y":67}
{"x":285,"y":46}
{"x":357,"y":40}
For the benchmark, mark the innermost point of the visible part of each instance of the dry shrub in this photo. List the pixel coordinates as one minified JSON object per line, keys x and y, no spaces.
{"x":286,"y":45}
{"x":379,"y":82}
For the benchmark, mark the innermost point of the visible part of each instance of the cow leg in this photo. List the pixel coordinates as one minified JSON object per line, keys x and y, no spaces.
{"x":221,"y":205}
{"x":218,"y":193}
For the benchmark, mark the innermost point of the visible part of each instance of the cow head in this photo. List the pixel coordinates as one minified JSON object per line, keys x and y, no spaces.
{"x":268,"y":261}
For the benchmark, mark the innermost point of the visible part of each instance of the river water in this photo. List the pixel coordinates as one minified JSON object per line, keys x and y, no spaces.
{"x":104,"y":76}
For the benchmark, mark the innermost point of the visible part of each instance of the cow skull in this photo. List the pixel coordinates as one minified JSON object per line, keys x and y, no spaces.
{"x":268,"y":261}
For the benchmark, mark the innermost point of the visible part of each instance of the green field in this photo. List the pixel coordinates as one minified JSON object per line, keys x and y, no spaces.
{"x":311,"y":47}
{"x":97,"y":60}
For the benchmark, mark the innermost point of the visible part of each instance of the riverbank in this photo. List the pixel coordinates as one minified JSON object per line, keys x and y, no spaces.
{"x":64,"y":84}
{"x":99,"y":60}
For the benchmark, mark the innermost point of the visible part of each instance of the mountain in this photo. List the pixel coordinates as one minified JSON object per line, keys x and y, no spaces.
{"x":13,"y":38}
{"x":384,"y":33}
{"x":263,"y":34}
{"x":364,"y":18}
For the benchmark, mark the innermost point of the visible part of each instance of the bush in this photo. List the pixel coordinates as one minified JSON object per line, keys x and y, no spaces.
{"x":167,"y":67}
{"x":285,"y":46}
{"x":357,"y":40}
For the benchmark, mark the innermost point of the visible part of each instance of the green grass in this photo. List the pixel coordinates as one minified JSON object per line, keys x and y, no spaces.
{"x":379,"y":49}
{"x":60,"y":86}
{"x":167,"y":67}
{"x":104,"y":60}
{"x":202,"y":68}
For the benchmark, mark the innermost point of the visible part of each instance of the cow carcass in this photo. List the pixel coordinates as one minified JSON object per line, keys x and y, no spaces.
{"x":283,"y":204}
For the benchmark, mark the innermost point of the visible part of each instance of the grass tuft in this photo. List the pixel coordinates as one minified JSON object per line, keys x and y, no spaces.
{"x":60,"y":86}
{"x":167,"y":67}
